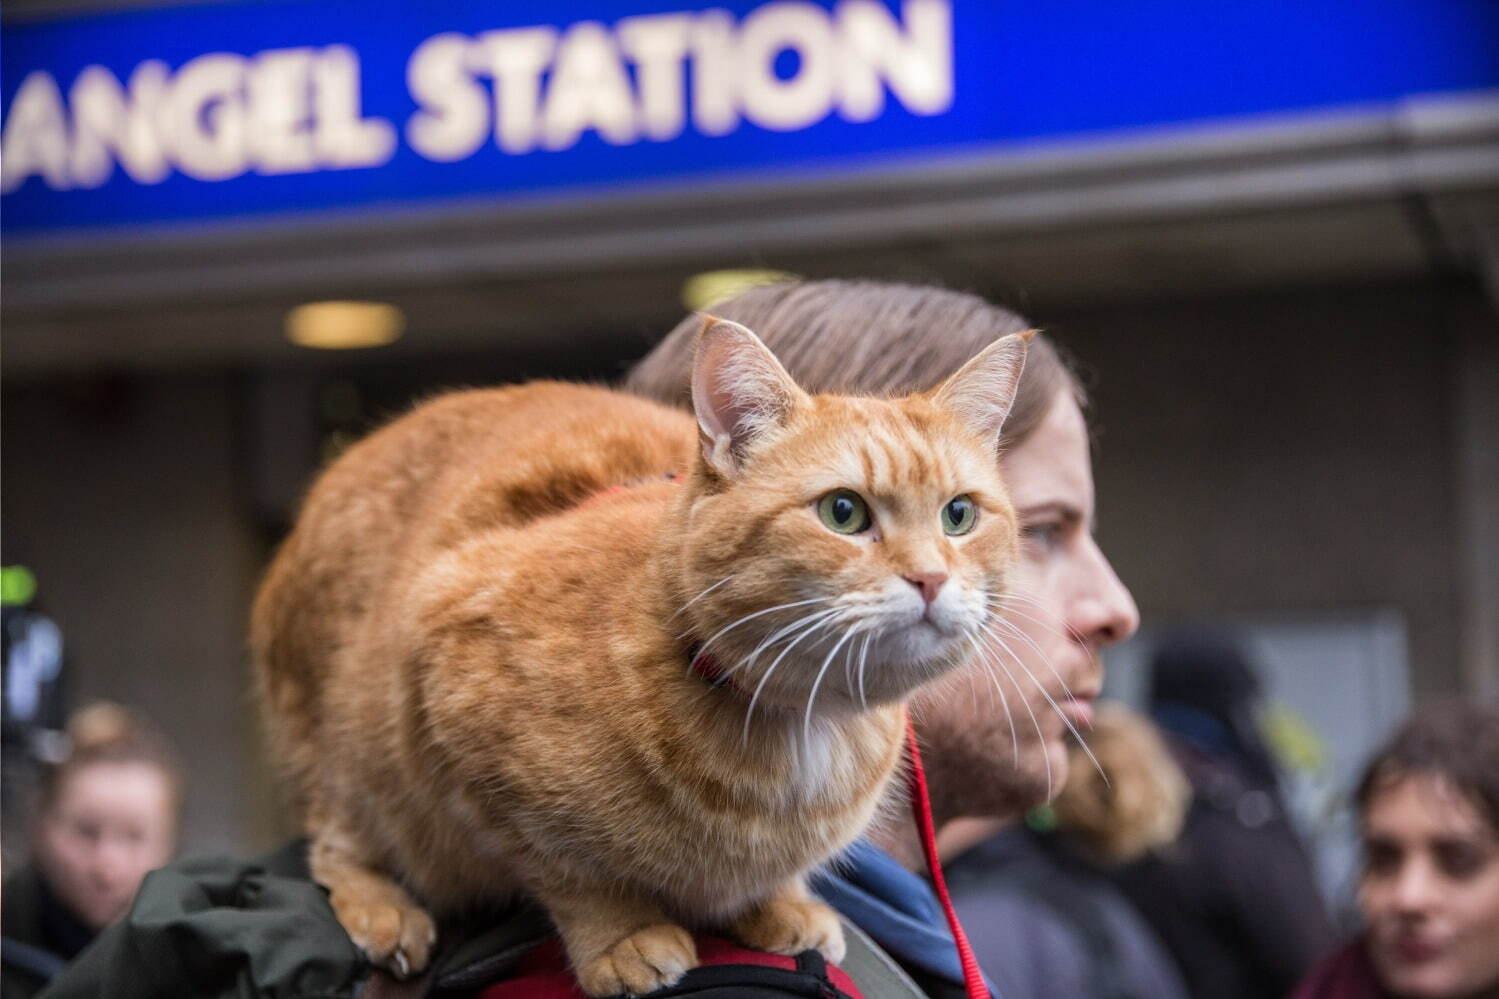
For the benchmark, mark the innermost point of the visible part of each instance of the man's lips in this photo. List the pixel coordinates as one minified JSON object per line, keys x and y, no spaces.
{"x":1078,"y":708}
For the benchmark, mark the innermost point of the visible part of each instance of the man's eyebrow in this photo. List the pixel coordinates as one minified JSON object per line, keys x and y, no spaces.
{"x":1065,"y":512}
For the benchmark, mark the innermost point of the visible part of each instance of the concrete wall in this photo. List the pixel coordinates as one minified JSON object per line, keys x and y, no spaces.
{"x":123,"y":497}
{"x":1285,"y":453}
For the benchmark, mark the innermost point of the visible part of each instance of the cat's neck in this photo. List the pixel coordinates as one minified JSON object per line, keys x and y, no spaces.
{"x":807,"y":759}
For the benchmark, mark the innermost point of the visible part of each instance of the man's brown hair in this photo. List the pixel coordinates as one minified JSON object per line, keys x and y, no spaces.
{"x":866,"y":337}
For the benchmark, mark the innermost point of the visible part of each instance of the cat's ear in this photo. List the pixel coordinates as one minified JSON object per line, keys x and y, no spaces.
{"x":981,"y":392}
{"x":739,"y":391}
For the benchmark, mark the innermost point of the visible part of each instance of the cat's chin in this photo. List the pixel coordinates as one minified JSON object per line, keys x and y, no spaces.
{"x":901,"y":660}
{"x":920,"y":644}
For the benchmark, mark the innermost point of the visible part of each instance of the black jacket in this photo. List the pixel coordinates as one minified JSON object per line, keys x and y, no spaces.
{"x":41,"y":935}
{"x":1234,"y":899}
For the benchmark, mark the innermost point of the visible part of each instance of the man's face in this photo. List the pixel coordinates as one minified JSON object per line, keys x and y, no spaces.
{"x":1002,"y":723}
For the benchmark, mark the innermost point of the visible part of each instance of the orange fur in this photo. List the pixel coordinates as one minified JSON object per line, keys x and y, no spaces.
{"x":474,"y":660}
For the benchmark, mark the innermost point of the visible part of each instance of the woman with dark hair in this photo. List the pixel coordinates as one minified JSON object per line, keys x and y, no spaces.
{"x":1429,"y":891}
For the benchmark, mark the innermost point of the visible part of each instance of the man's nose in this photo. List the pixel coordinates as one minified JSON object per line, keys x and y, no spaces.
{"x":1105,"y":612}
{"x":928,"y":583}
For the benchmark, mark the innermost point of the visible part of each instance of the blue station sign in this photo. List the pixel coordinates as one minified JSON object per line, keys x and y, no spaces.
{"x":233,"y":110}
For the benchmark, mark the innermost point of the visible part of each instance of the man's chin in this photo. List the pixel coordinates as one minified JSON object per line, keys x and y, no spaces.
{"x":1060,"y":763}
{"x":1019,"y":789}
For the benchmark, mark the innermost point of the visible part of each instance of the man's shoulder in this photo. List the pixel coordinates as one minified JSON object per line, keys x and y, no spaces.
{"x":221,"y":926}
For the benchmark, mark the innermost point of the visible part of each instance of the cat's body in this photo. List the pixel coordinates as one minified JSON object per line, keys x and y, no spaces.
{"x":475,"y":656}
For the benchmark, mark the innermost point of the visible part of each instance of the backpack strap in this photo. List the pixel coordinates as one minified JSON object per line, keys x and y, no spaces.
{"x":873,"y":971}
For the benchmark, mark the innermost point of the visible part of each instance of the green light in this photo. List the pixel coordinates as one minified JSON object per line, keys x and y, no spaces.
{"x":1042,"y":819}
{"x":17,"y":586}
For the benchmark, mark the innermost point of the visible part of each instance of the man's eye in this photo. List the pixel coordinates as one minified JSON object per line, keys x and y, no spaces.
{"x":1047,"y":534}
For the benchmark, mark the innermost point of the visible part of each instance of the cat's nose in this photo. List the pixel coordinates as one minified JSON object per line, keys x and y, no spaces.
{"x":927,"y":582}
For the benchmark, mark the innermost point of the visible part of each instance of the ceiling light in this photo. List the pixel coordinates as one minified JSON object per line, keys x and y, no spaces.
{"x":705,"y":290}
{"x":344,"y":325}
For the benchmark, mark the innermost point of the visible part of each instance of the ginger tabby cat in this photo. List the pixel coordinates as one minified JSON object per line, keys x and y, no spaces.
{"x":474,"y":653}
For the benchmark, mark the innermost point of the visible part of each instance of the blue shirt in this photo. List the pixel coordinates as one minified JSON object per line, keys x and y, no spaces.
{"x":896,"y":908}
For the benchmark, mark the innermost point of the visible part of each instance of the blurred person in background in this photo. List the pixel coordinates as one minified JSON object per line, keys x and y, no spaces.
{"x":1234,"y":898}
{"x":1041,"y":911}
{"x":1429,"y":890}
{"x":107,"y":814}
{"x":984,"y":755}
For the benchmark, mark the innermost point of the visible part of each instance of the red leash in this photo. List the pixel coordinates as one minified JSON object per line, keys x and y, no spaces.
{"x":921,"y":809}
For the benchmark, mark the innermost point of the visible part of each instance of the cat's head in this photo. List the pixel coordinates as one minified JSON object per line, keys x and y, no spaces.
{"x":843,"y":546}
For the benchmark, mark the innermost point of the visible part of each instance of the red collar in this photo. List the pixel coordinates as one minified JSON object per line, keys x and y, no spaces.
{"x":708,"y":669}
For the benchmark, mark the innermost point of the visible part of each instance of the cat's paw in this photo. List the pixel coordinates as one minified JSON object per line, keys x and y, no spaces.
{"x":646,"y":960}
{"x":395,"y":934}
{"x":789,"y":925}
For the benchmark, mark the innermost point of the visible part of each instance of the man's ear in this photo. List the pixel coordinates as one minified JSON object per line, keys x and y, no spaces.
{"x":981,"y":392}
{"x":739,"y":392}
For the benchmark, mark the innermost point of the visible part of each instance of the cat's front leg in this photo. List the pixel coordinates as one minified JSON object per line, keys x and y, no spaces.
{"x":618,"y":944}
{"x":380,"y":917}
{"x":790,"y":921}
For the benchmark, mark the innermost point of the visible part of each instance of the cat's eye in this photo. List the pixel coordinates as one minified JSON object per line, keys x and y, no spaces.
{"x":959,"y":515}
{"x":843,"y":511}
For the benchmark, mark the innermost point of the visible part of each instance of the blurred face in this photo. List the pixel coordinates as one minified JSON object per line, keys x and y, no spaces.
{"x":110,"y":824}
{"x":998,"y":718}
{"x":1430,"y":891}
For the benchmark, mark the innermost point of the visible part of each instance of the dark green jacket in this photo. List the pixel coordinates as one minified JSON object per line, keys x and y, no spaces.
{"x":219,"y":928}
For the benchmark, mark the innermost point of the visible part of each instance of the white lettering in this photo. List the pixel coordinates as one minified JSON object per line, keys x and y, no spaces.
{"x":108,"y":124}
{"x":515,"y":60}
{"x":715,"y":103}
{"x":204,"y":117}
{"x":588,"y":89}
{"x":787,"y":65}
{"x":917,"y":65}
{"x":806,"y":97}
{"x":454,"y":114}
{"x":35,"y":137}
{"x":343,"y":137}
{"x":278,"y":91}
{"x":658,"y":44}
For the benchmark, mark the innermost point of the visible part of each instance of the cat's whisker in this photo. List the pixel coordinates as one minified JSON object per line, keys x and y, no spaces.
{"x":1004,"y":703}
{"x":1015,"y":632}
{"x":810,"y":629}
{"x":1041,"y":689}
{"x":848,"y":669}
{"x":1045,"y":659}
{"x":812,"y":696}
{"x":811,"y":622}
{"x":970,"y":661}
{"x":760,"y":613}
{"x":701,"y":595}
{"x":863,"y":655}
{"x":1006,"y":604}
{"x":1025,"y":702}
{"x":754,"y":655}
